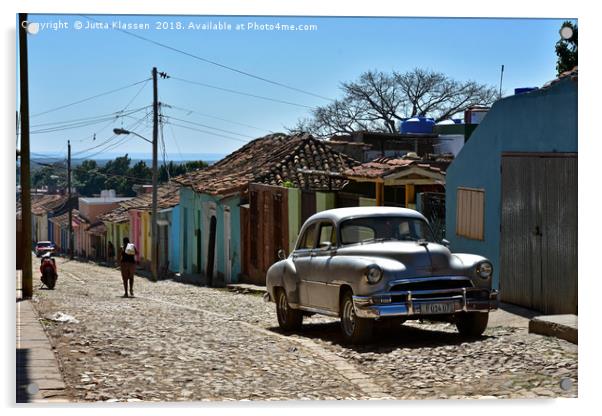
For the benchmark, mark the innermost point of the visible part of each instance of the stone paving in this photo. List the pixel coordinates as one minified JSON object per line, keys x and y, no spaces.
{"x":176,"y":342}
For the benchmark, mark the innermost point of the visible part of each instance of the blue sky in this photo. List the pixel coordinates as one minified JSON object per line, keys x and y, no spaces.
{"x":67,"y":65}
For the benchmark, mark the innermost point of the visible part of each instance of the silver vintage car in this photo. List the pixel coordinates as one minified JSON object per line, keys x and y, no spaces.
{"x":370,"y":264}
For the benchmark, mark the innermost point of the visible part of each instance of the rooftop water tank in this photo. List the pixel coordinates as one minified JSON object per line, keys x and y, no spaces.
{"x":524,"y":90}
{"x":418,"y":124}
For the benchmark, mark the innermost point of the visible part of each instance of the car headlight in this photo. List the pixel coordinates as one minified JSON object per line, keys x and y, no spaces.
{"x":374,"y":274}
{"x":484,"y":270}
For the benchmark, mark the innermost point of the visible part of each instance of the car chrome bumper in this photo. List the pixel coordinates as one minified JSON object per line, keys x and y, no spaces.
{"x":381,"y":305}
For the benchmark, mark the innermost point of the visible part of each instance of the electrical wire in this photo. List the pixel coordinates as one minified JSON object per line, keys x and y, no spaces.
{"x":210,"y":127}
{"x":90,"y":118}
{"x":208,"y":132}
{"x":189,"y":111}
{"x":248,"y":74}
{"x":247,"y":94}
{"x":110,"y":138}
{"x":89,"y":98}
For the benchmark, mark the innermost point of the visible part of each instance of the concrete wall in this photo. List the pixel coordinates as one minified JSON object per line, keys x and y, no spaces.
{"x":294,"y":216}
{"x":174,"y":240}
{"x":195,"y":215}
{"x":91,"y":211}
{"x":366,"y":202}
{"x":324,"y":201}
{"x":540,"y":121}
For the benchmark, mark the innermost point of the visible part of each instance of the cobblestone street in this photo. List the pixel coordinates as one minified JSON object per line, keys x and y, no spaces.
{"x":175,"y":342}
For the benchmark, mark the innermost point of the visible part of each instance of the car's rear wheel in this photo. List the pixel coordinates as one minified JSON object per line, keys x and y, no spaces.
{"x":289,"y":319}
{"x":355,"y":330}
{"x":472,"y":324}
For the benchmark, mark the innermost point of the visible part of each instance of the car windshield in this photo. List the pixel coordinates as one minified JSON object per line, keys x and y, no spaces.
{"x":369,"y":229}
{"x":44,"y":244}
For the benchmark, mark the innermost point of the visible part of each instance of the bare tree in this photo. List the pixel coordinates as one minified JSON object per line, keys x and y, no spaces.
{"x":377,"y":101}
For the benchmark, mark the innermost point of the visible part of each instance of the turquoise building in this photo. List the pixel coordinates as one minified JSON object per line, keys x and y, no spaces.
{"x":511,"y":195}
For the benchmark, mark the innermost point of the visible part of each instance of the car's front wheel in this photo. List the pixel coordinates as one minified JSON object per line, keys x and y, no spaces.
{"x":355,"y":330}
{"x":289,"y":319}
{"x":472,"y":324}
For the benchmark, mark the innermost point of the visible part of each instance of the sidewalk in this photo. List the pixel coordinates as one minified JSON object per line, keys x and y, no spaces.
{"x":39,"y":379}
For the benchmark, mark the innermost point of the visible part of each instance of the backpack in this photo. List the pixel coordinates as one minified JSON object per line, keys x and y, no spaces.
{"x":130,"y":249}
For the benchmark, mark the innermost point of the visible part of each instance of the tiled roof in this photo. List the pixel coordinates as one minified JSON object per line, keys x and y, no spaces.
{"x":274,"y":160}
{"x":573,"y":74}
{"x":98,"y":228}
{"x":47,"y":203}
{"x":63,"y":219}
{"x":382,"y":167}
{"x":167,"y":196}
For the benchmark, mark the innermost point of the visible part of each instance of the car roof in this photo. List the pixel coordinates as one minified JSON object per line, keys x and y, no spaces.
{"x":44,"y":242}
{"x":339,"y":214}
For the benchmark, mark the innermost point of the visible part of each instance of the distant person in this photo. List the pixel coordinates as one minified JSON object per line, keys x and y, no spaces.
{"x":111,"y":253}
{"x":128,"y":265}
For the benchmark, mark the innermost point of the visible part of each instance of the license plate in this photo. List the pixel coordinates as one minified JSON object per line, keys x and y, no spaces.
{"x":436,"y":308}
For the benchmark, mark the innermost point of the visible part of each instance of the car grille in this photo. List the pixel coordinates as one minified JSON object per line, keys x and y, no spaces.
{"x":432,"y":285}
{"x":436,"y":284}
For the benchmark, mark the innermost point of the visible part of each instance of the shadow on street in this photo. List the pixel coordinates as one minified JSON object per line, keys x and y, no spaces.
{"x":384,"y":339}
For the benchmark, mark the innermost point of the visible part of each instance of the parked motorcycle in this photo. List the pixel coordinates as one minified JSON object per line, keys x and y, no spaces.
{"x":49,"y":271}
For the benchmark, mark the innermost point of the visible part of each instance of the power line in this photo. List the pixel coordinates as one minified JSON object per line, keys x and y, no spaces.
{"x":208,"y":132}
{"x":111,"y":137}
{"x":247,"y":94}
{"x":189,"y":111}
{"x":107,"y":141}
{"x":89,"y":118}
{"x":136,"y":95}
{"x":248,"y":74}
{"x":210,"y":127}
{"x":173,"y":136}
{"x":89,"y":98}
{"x":76,"y":125}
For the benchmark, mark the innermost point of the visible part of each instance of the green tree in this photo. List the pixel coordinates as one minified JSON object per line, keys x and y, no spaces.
{"x":50,"y":176}
{"x":119,"y":166}
{"x":566,"y":49}
{"x":88,"y":179}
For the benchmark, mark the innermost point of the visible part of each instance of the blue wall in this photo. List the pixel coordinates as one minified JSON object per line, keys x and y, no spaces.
{"x":174,"y":240}
{"x":192,"y":216}
{"x":539,"y":121}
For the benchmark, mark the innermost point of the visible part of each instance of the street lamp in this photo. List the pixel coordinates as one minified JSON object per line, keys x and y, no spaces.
{"x":119,"y":131}
{"x":154,"y":230}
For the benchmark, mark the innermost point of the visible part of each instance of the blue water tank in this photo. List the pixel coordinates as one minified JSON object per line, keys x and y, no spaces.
{"x":418,"y":124}
{"x":524,"y":90}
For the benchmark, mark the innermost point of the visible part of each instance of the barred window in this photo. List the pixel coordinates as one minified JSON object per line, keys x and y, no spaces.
{"x":470,"y":213}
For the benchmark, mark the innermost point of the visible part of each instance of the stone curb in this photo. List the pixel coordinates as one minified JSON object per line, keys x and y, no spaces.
{"x":559,"y":326}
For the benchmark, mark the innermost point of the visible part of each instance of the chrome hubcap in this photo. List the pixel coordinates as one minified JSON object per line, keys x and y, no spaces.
{"x":348,"y":318}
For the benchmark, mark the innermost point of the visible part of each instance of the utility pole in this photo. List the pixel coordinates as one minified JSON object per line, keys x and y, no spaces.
{"x":154,"y":228}
{"x":70,"y":226}
{"x":26,"y":276}
{"x":501,"y":80}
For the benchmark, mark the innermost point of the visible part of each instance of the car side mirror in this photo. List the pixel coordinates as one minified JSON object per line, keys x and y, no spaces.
{"x":325,"y":246}
{"x":445,"y":242}
{"x":281,"y":254}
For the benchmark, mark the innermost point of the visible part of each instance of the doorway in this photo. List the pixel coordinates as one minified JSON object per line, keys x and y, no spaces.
{"x":538,"y":247}
{"x":211,"y":250}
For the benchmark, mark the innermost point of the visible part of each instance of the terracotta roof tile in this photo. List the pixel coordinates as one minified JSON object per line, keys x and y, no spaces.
{"x":274,"y":160}
{"x":47,"y":203}
{"x":382,"y":167}
{"x":167,"y":196}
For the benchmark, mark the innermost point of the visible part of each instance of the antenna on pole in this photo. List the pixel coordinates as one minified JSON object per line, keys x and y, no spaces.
{"x":501,"y":80}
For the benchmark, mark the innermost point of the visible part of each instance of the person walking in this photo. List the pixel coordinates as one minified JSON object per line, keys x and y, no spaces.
{"x":127,"y":262}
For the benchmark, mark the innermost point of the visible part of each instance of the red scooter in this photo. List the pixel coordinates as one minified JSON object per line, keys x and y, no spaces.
{"x":48,"y":270}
